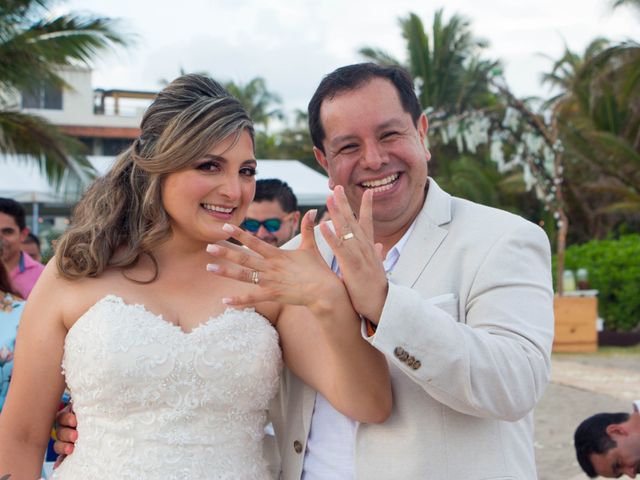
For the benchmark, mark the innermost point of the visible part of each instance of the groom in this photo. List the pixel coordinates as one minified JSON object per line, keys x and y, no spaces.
{"x":464,"y":313}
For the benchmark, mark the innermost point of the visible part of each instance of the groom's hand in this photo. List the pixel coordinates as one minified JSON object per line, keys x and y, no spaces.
{"x":66,"y":433}
{"x":360,"y":258}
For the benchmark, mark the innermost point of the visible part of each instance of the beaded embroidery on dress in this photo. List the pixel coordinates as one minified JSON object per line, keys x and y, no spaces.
{"x":154,"y":402}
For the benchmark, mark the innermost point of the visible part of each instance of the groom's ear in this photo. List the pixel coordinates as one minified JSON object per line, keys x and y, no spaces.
{"x":321,"y":158}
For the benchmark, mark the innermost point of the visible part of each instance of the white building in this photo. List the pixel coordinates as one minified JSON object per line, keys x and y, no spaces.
{"x":105,"y":120}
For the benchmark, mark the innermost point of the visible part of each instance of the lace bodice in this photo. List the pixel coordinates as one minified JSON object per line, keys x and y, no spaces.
{"x":154,"y":402}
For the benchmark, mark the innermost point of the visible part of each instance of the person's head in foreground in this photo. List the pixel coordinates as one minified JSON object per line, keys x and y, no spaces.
{"x":273,"y":215}
{"x":191,"y":170}
{"x":368,"y":132}
{"x":13,"y":230}
{"x":5,"y":281}
{"x":608,"y":445}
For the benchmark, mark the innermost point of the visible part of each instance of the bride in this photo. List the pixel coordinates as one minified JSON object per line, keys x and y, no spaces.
{"x":168,"y":381}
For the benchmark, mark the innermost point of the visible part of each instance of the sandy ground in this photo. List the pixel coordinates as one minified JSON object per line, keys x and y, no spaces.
{"x":581,"y":385}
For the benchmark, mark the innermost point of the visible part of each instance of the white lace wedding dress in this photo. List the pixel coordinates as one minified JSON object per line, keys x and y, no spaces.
{"x":153,"y":402}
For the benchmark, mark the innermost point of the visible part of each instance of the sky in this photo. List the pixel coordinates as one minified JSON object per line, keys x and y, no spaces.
{"x":293,"y":43}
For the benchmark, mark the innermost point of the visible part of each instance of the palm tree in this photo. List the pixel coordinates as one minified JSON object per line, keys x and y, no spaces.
{"x":258,"y":100}
{"x":598,"y":114}
{"x":34,"y":46}
{"x":450,"y":75}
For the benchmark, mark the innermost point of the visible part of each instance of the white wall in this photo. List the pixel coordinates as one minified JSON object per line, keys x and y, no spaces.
{"x":77,"y":105}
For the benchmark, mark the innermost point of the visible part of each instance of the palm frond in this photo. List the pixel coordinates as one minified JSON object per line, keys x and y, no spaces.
{"x":34,"y":138}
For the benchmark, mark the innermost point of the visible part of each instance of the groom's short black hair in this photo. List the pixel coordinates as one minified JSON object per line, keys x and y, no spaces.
{"x":351,"y":77}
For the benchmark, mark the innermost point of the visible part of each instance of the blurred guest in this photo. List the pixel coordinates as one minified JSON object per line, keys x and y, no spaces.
{"x":31,"y":246}
{"x":23,"y":270}
{"x":608,"y":444}
{"x":10,"y":310}
{"x":273,"y":215}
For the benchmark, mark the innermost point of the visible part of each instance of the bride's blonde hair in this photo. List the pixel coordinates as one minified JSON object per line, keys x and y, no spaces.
{"x":123,"y":210}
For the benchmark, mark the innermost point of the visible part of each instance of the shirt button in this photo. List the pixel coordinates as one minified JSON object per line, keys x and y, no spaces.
{"x":297,"y":446}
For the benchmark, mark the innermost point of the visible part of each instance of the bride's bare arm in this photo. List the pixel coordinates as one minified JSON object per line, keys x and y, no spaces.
{"x":318,"y":327}
{"x":37,"y":382}
{"x":331,"y":356}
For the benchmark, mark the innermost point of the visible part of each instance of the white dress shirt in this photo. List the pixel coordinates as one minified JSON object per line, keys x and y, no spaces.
{"x":330,"y":452}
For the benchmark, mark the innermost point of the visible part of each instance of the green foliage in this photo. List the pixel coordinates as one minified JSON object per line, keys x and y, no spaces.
{"x":614,"y":270}
{"x":450,"y":75}
{"x":597,"y":114}
{"x":259,"y":101}
{"x":34,"y":45}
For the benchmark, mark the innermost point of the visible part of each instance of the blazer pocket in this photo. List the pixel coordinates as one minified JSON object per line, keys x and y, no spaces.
{"x":447,"y":302}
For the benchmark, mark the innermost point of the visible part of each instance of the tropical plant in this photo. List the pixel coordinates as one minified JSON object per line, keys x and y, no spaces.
{"x":34,"y":47}
{"x":450,"y":75}
{"x":597,"y":110}
{"x":614,"y":271}
{"x":262,"y":104}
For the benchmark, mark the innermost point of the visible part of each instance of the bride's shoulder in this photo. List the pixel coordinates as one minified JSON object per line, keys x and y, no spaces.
{"x":67,"y":298}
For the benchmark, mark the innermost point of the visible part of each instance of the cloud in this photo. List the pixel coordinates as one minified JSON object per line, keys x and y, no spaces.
{"x":293,"y":44}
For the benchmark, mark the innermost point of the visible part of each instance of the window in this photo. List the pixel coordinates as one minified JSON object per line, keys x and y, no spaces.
{"x":115,"y":146}
{"x":45,"y":96}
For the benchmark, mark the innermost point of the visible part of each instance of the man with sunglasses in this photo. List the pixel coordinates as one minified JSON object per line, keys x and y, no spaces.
{"x":24,"y":271}
{"x":273,"y":215}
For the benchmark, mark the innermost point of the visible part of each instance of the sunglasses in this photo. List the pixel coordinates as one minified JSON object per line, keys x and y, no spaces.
{"x":271,"y":224}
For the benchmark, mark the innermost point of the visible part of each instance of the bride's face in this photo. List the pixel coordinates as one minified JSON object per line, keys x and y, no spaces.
{"x":216,"y":189}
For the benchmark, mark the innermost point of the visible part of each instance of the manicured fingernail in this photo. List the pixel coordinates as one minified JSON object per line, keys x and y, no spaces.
{"x":312,"y":214}
{"x":211,"y":248}
{"x":68,"y":449}
{"x":226,"y":300}
{"x":227,"y":228}
{"x":212,"y":267}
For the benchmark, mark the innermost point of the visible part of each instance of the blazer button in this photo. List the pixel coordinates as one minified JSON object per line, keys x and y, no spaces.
{"x":411,"y":361}
{"x":404,"y":357}
{"x":398,"y":352}
{"x":297,"y":446}
{"x":416,"y":365}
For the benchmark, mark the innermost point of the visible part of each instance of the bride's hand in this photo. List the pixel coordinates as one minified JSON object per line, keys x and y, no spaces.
{"x":294,"y":277}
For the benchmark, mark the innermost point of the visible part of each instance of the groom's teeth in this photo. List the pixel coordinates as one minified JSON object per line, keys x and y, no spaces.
{"x":382,"y":184}
{"x":215,"y":208}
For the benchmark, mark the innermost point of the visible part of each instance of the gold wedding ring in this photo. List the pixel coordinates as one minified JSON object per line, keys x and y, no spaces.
{"x":347,"y":236}
{"x":254,"y":277}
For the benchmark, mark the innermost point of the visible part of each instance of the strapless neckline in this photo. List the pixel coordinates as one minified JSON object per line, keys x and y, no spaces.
{"x":141,"y":308}
{"x":156,"y":403}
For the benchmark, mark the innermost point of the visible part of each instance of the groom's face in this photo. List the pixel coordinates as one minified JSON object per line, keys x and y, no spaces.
{"x":372,"y":143}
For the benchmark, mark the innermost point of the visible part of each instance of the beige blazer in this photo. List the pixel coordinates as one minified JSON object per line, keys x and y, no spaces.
{"x":467,"y":328}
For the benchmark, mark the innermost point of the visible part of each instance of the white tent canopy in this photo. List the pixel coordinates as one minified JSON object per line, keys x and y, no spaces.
{"x":22,"y":180}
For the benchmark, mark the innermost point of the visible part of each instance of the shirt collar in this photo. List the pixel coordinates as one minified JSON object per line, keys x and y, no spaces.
{"x":21,"y":263}
{"x":393,"y":255}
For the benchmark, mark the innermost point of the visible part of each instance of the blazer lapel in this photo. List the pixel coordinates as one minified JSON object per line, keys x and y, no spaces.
{"x":427,"y":236}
